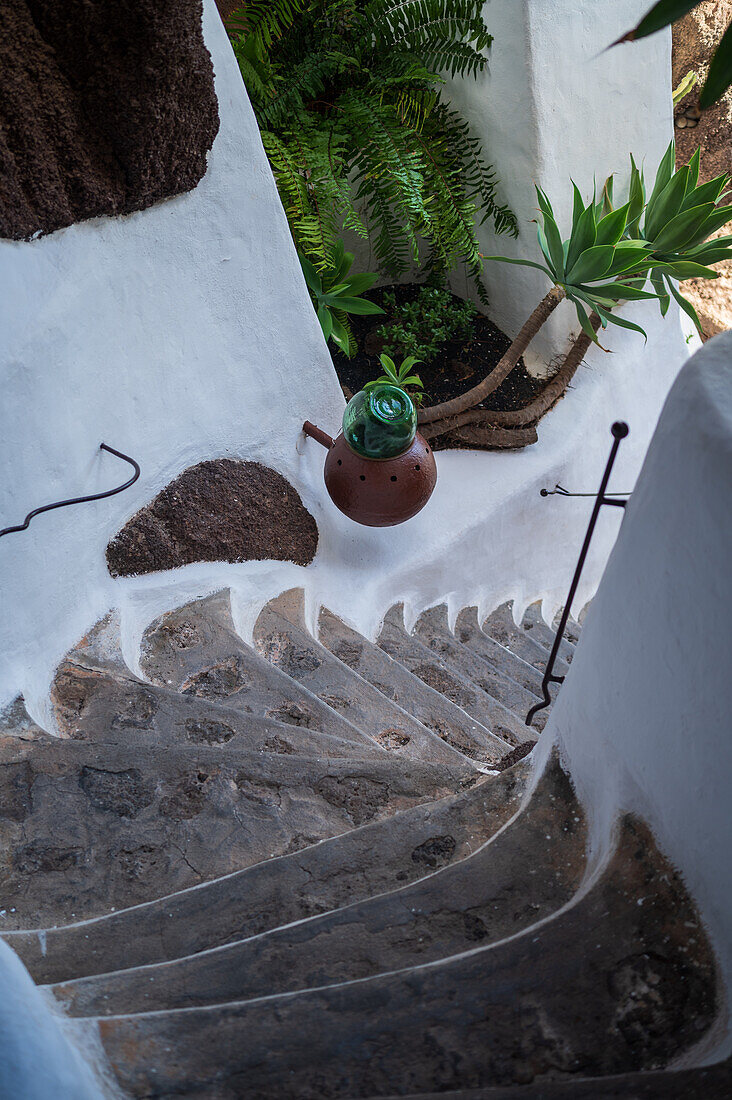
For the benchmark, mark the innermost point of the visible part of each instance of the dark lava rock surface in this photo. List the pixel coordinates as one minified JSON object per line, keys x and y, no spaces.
{"x":221,"y":510}
{"x":105,"y":108}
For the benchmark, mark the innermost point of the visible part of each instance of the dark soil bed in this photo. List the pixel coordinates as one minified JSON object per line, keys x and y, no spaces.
{"x":460,"y":365}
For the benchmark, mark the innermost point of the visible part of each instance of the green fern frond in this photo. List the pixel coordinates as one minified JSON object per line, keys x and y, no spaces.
{"x":348,"y":95}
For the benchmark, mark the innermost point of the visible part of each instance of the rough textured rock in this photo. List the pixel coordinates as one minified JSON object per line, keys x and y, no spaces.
{"x":220,"y":510}
{"x":695,"y":38}
{"x":607,"y":986}
{"x":105,"y":108}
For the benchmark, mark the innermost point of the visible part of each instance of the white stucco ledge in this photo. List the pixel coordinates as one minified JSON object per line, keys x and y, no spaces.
{"x":643,"y":721}
{"x":37,"y":1059}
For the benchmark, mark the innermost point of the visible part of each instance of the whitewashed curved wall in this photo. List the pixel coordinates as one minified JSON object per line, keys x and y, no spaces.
{"x":644,"y":719}
{"x":175,"y":334}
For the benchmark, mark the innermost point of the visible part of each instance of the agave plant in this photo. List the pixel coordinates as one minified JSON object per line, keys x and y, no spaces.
{"x":335,"y":294}
{"x":611,"y":255}
{"x":679,"y":219}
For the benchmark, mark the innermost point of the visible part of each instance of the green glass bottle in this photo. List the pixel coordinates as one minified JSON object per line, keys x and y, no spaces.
{"x":380,"y":422}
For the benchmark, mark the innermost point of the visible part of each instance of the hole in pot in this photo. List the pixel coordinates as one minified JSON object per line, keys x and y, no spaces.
{"x":417,"y":466}
{"x":340,"y":462}
{"x":393,"y":477}
{"x":363,"y":477}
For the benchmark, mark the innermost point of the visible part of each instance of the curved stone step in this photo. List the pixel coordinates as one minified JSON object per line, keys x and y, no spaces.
{"x":328,"y":875}
{"x":196,"y":651}
{"x":397,"y":683}
{"x":280,"y":637}
{"x":449,"y":681}
{"x":533,"y":624}
{"x":470,"y":636}
{"x":701,"y":1083}
{"x":527,"y":872}
{"x":500,"y":626}
{"x":432,"y":630}
{"x":96,"y":705}
{"x":96,"y":826}
{"x":606,"y":986}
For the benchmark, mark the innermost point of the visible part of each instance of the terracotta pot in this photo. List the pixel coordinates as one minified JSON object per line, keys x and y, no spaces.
{"x":380,"y":492}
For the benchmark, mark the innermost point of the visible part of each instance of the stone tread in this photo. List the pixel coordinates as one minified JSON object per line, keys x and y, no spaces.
{"x":470,"y":636}
{"x":500,"y":626}
{"x":95,"y":705}
{"x":433,"y":631}
{"x":493,"y":1015}
{"x":449,"y":681}
{"x":88,"y":827}
{"x":196,"y":651}
{"x":533,"y":624}
{"x":426,"y":705}
{"x":524,"y":874}
{"x":702,"y":1083}
{"x":331,"y":874}
{"x":285,"y":643}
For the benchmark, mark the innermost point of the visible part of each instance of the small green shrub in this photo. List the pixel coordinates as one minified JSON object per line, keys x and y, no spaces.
{"x":423,"y":326}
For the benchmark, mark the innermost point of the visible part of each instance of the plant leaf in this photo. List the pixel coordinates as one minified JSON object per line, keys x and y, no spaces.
{"x":719,"y":76}
{"x":353,"y":305}
{"x":664,"y":299}
{"x":686,"y":306}
{"x":584,"y":236}
{"x":611,"y":228}
{"x":520,"y":263}
{"x":681,"y":229}
{"x":637,"y":197}
{"x":340,"y":335}
{"x":618,"y":292}
{"x":592,"y":264}
{"x":666,"y":204}
{"x":357,"y":284}
{"x":313,"y":280}
{"x":684,"y":269}
{"x":665,"y":172}
{"x":585,"y":322}
{"x":622,"y":323}
{"x":693,"y":174}
{"x":708,"y":192}
{"x":326,"y":320}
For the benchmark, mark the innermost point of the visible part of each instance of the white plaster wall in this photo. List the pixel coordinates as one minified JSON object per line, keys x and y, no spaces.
{"x":184,"y":332}
{"x":643,"y":720}
{"x":552,"y":105}
{"x":175,"y":334}
{"x":37,"y":1060}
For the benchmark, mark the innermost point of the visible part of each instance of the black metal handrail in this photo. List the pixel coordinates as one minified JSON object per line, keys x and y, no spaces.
{"x":560,"y":491}
{"x":80,"y":500}
{"x":619,"y":431}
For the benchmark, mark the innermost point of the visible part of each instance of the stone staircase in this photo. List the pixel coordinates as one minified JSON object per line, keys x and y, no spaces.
{"x":323,"y":869}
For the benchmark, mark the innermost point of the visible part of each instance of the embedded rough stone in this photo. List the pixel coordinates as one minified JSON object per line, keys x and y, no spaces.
{"x":105,"y":108}
{"x":221,"y":510}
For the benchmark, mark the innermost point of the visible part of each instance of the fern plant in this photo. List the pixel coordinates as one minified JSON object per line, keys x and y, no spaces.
{"x":348,"y":97}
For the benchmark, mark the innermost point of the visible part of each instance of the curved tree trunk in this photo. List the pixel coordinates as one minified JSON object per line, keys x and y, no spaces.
{"x":515,"y":428}
{"x":502,"y":369}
